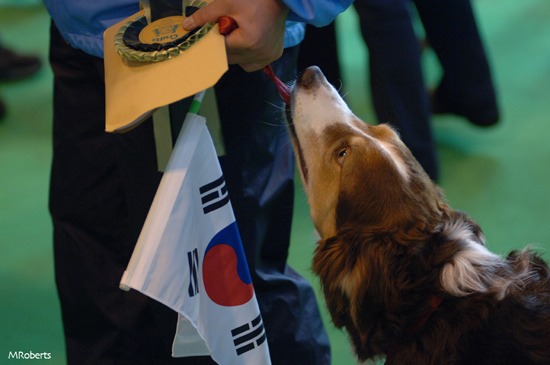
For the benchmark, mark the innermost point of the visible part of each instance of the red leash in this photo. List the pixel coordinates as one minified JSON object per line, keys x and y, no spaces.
{"x":227,"y":25}
{"x":283,"y":89}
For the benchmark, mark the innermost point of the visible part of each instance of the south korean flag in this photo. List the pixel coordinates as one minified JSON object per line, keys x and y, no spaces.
{"x":189,"y":256}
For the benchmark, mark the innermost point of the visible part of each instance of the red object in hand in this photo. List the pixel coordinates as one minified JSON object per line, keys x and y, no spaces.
{"x":226,"y":25}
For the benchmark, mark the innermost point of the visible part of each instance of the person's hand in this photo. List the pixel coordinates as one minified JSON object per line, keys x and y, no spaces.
{"x":259,"y":38}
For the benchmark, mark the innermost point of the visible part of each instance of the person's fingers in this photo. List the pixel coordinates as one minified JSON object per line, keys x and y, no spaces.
{"x":249,"y":58}
{"x":251,"y":67}
{"x":206,"y":14}
{"x":258,"y":36}
{"x":253,"y":47}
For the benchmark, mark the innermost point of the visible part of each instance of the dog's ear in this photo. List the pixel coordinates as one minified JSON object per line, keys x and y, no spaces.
{"x":356,"y":275}
{"x":331,"y":267}
{"x":366,"y":278}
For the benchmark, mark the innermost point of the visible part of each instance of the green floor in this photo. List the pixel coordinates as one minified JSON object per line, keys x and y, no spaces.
{"x":500,"y":176}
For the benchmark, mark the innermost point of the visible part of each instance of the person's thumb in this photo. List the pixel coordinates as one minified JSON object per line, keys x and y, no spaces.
{"x":207,"y":14}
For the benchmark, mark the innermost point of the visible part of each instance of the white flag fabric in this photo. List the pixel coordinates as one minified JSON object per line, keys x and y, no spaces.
{"x":189,"y":256}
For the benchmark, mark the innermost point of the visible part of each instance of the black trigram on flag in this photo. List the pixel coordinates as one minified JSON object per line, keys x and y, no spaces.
{"x":214,"y":195}
{"x":249,"y":335}
{"x":193,"y":260}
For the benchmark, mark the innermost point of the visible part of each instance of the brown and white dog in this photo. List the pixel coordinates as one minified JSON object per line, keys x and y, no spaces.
{"x":406,"y":276}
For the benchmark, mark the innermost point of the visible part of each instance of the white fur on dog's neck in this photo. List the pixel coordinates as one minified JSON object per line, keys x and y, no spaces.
{"x":474,"y":269}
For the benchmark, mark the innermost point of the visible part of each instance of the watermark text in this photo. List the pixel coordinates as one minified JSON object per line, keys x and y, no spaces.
{"x":29,"y":355}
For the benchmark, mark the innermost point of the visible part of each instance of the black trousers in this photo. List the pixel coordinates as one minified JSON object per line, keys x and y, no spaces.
{"x":398,"y":89}
{"x":102,"y":186}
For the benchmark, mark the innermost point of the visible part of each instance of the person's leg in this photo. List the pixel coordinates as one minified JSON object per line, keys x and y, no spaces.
{"x":398,"y":91}
{"x":466,"y":87}
{"x":101,"y":188}
{"x":259,"y":170}
{"x":15,"y":65}
{"x":2,"y":108}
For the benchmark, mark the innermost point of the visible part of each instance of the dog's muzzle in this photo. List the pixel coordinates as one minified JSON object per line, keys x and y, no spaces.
{"x":311,"y":78}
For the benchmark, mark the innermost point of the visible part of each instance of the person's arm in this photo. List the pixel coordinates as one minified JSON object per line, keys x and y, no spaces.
{"x":259,"y":38}
{"x":315,"y":12}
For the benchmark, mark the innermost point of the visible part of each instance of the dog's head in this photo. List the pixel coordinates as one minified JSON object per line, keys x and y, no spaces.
{"x":353,"y":173}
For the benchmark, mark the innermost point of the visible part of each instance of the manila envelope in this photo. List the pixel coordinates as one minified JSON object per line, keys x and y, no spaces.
{"x":133,"y":90}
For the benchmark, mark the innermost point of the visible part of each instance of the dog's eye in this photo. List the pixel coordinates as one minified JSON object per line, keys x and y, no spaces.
{"x":341,"y":155}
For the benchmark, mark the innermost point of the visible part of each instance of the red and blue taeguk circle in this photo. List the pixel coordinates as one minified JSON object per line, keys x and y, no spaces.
{"x":224,"y":270}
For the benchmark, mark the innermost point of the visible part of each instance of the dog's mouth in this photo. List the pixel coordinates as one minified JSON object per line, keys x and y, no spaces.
{"x":297,"y":146}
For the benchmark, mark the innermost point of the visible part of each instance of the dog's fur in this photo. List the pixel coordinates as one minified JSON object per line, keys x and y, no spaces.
{"x":407,"y":277}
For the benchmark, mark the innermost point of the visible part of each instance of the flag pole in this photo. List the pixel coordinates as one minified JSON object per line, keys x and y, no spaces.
{"x":196,"y":103}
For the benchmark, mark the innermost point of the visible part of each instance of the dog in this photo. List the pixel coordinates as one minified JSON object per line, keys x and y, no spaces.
{"x":407,"y":277}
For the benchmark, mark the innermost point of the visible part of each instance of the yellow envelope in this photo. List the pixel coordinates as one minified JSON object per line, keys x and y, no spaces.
{"x":133,"y":90}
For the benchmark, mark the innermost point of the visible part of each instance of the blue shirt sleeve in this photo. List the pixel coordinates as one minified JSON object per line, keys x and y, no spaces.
{"x":316,"y":12}
{"x":82,"y":23}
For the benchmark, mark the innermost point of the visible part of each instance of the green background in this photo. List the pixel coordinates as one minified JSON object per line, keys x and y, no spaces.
{"x":500,"y":175}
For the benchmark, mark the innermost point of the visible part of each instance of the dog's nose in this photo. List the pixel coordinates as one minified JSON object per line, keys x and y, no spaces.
{"x":311,"y":77}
